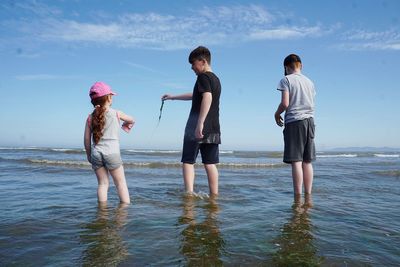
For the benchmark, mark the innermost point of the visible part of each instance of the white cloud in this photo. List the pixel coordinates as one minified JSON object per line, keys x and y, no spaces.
{"x":36,"y":77}
{"x":207,"y":26}
{"x":251,"y":14}
{"x":142,"y":67}
{"x":31,"y":6}
{"x":370,"y":40}
{"x":175,"y":86}
{"x":286,"y":33}
{"x":219,"y":25}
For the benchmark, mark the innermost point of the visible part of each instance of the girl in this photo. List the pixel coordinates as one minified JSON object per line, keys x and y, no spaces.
{"x":102,"y":142}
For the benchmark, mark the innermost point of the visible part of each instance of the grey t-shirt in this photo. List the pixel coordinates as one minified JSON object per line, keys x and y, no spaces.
{"x":301,"y":97}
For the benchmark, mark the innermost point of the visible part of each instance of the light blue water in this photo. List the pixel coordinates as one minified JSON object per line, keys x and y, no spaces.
{"x":49,"y":214}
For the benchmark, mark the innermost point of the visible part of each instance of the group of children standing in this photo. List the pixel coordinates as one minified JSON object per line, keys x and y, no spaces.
{"x":202,"y":132}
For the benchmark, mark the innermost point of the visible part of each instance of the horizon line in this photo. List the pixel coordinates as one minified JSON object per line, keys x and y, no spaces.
{"x":355,"y":148}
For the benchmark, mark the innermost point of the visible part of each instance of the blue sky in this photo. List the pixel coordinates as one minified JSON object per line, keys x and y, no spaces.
{"x":52,"y":51}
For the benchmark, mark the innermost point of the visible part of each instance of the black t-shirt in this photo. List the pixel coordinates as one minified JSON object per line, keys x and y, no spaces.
{"x":206,"y":82}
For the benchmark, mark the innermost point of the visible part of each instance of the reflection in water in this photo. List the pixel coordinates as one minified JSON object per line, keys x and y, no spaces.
{"x":202,"y":244}
{"x":296,"y":247}
{"x":105,"y":246}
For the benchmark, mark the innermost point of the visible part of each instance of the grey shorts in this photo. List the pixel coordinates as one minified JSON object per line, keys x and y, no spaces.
{"x":109,"y":161}
{"x":299,"y":141}
{"x":209,"y":152}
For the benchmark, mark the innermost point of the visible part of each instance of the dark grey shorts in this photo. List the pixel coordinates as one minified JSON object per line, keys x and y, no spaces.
{"x":209,"y":152}
{"x":299,"y":141}
{"x":109,"y":161}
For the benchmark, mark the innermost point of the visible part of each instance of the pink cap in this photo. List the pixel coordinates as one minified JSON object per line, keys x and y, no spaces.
{"x":100,"y":89}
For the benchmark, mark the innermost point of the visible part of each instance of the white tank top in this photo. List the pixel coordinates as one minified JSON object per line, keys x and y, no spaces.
{"x":109,"y":142}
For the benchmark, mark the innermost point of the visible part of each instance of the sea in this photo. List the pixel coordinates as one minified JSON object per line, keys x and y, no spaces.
{"x":49,"y":215}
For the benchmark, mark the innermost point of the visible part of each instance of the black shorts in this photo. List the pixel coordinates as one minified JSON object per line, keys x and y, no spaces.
{"x":299,"y":141}
{"x":209,"y":152}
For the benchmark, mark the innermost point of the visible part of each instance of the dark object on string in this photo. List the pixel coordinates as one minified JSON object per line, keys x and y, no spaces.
{"x":161,"y":108}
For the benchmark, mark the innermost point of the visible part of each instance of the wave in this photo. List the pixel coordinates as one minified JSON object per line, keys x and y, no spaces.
{"x":58,"y":162}
{"x":45,"y":149}
{"x":275,"y":154}
{"x":21,"y":148}
{"x":144,"y":151}
{"x":226,"y":151}
{"x":160,"y":152}
{"x":338,"y":156}
{"x":251,"y":165}
{"x":393,"y":173}
{"x":67,"y":150}
{"x":153,"y":165}
{"x":254,"y":154}
{"x":387,"y":155}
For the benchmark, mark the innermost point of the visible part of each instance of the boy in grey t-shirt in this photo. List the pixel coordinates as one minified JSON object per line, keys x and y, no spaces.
{"x":298,"y":103}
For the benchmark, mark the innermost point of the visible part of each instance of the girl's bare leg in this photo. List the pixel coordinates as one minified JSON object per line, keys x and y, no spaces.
{"x":118,"y":176}
{"x":103,"y":184}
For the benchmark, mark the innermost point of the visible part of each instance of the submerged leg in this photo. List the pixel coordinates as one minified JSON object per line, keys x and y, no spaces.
{"x":118,"y":175}
{"x":188,"y":176}
{"x":297,"y":175}
{"x":212,"y":175}
{"x":308,"y":176}
{"x":103,"y":184}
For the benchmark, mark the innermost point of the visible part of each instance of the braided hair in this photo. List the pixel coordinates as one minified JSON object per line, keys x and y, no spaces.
{"x":98,"y":117}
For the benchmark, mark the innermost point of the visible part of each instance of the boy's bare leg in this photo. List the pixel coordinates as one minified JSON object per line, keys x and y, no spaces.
{"x":297,"y":175}
{"x":308,"y":175}
{"x":118,"y":175}
{"x":103,"y":183}
{"x":212,"y":174}
{"x":188,"y":176}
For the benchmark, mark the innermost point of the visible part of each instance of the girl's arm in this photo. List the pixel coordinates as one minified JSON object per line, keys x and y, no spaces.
{"x":126,"y":118}
{"x":128,"y":121}
{"x":187,"y":96}
{"x":87,"y":140}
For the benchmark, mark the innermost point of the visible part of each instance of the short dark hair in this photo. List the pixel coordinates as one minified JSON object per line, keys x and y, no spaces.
{"x":200,"y":53}
{"x":291,"y":59}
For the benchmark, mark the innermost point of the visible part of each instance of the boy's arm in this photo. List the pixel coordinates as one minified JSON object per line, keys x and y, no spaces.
{"x":282,"y":107}
{"x":204,"y":108}
{"x":187,"y":96}
{"x":87,"y":140}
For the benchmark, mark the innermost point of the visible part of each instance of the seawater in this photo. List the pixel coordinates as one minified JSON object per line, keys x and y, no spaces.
{"x":49,"y":214}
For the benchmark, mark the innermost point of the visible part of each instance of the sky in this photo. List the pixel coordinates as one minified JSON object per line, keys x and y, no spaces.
{"x":51,"y":52}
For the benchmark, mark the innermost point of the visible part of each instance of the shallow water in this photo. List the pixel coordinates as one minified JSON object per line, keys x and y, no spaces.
{"x":49,"y":214}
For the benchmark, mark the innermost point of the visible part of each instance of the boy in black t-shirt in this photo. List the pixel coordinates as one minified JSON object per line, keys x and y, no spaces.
{"x":202,"y":132}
